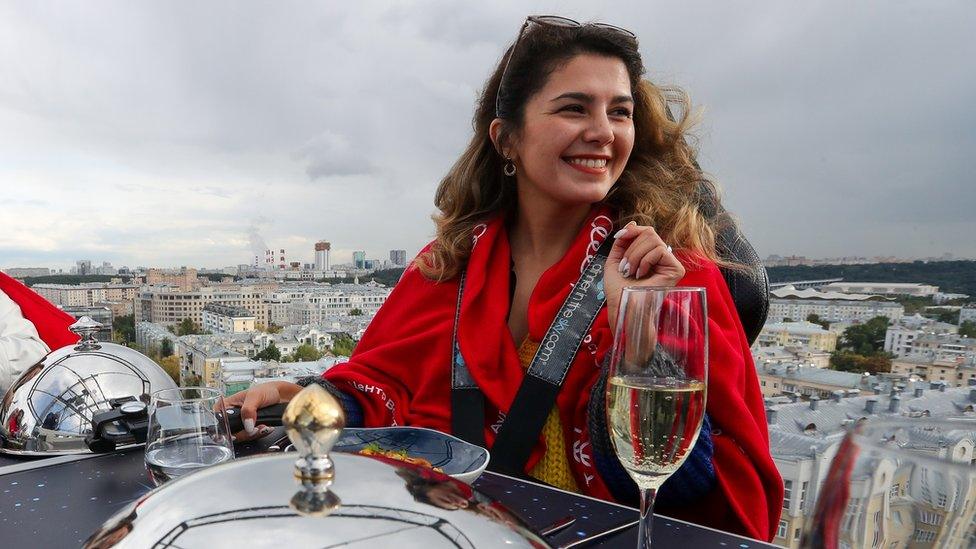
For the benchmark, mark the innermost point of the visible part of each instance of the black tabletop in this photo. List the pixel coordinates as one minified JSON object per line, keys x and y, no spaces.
{"x":59,"y":502}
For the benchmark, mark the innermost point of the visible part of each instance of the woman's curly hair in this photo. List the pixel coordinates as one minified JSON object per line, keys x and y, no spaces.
{"x":661,"y":186}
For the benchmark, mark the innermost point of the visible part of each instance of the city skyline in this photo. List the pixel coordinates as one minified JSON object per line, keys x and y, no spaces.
{"x":383,"y":256}
{"x":833,"y":129}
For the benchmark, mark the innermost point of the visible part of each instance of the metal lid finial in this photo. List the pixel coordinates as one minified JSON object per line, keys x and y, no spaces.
{"x":88,"y":329}
{"x":313,"y":420}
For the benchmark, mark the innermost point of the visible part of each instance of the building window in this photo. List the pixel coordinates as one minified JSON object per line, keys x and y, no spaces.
{"x":781,"y":531}
{"x":787,"y":494}
{"x":803,"y":495}
{"x":894,"y":490}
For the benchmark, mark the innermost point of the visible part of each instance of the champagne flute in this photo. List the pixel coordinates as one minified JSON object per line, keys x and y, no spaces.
{"x":895,"y":482}
{"x":656,"y":387}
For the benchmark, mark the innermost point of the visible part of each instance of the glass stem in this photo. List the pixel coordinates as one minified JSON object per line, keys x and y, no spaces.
{"x":647,"y":496}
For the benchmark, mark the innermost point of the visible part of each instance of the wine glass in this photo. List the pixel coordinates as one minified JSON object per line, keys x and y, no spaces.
{"x":904,"y":482}
{"x":188,"y":430}
{"x":657,"y":386}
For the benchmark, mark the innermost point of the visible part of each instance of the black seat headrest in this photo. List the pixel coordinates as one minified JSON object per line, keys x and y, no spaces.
{"x":749,"y":285}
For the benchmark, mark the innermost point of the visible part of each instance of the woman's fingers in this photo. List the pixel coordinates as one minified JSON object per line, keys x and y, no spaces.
{"x":249,"y":401}
{"x":254,"y":398}
{"x":636,"y":250}
{"x":647,"y":259}
{"x":622,"y":239}
{"x":663,"y":268}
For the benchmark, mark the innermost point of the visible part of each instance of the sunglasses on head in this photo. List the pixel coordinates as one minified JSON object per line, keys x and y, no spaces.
{"x":550,"y":21}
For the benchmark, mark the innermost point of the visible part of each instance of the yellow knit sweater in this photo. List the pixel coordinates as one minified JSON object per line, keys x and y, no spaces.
{"x":553,"y":468}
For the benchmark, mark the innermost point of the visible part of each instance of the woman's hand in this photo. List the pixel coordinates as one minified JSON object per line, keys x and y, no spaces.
{"x":259,"y":396}
{"x":638,"y":258}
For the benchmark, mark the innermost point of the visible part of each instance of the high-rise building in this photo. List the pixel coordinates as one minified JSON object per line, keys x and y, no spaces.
{"x":359,"y":259}
{"x":84,"y":267}
{"x":398,"y":258}
{"x":322,"y":249}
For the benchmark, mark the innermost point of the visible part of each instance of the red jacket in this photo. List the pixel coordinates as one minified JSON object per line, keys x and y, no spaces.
{"x":50,"y":322}
{"x":401,"y":370}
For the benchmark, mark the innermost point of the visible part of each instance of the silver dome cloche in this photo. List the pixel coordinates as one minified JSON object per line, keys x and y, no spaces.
{"x":48,"y":410}
{"x":318,"y":500}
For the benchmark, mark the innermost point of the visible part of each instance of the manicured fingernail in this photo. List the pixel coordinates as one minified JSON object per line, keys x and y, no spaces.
{"x":233,"y":438}
{"x":622,"y":265}
{"x":627,"y":272}
{"x":620,"y":233}
{"x":249,"y":426}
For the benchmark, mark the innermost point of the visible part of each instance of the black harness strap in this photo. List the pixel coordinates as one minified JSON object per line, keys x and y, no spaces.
{"x":543,"y":379}
{"x":467,"y":400}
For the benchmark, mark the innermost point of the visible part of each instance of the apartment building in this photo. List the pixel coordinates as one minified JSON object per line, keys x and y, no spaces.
{"x":226,"y":319}
{"x":946,"y":347}
{"x":792,"y":354}
{"x":88,"y":294}
{"x":900,"y":337}
{"x":320,"y":304}
{"x":952,"y":371}
{"x":184,"y":279}
{"x":883,"y":288}
{"x":167,"y":305}
{"x":797,"y":334}
{"x":804,"y":437}
{"x":967,"y":314}
{"x":809,"y":381}
{"x":149,"y":335}
{"x":200,"y":357}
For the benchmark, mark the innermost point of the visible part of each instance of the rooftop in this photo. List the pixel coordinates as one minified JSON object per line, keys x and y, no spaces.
{"x":820,"y":420}
{"x":810,"y":293}
{"x":227,"y":310}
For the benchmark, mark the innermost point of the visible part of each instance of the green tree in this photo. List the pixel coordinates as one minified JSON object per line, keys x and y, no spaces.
{"x":343,"y":345}
{"x":273,"y":328}
{"x":171,"y":365}
{"x":815,"y":318}
{"x":306,"y":353}
{"x":187,"y":327}
{"x":846,"y":361}
{"x":356,"y":312}
{"x":125,"y":328}
{"x":166,"y":348}
{"x":270,"y":352}
{"x":968,"y":328}
{"x":865,"y":339}
{"x":952,"y":317}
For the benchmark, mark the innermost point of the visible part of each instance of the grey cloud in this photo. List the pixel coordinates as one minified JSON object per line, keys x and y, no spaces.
{"x":28,"y":202}
{"x":835,"y":128}
{"x":330,"y":154}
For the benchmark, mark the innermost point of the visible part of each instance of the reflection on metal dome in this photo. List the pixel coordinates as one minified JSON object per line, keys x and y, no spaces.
{"x":48,"y":410}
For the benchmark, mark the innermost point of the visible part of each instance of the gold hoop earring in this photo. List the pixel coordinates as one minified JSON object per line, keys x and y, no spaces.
{"x":509,"y":169}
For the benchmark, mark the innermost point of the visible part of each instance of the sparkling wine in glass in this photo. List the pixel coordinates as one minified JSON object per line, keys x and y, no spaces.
{"x":656,"y":389}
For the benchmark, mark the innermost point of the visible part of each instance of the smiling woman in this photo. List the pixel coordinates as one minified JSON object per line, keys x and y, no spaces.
{"x":575,"y":184}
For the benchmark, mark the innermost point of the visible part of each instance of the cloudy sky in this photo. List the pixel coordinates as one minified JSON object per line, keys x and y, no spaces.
{"x":189,"y":133}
